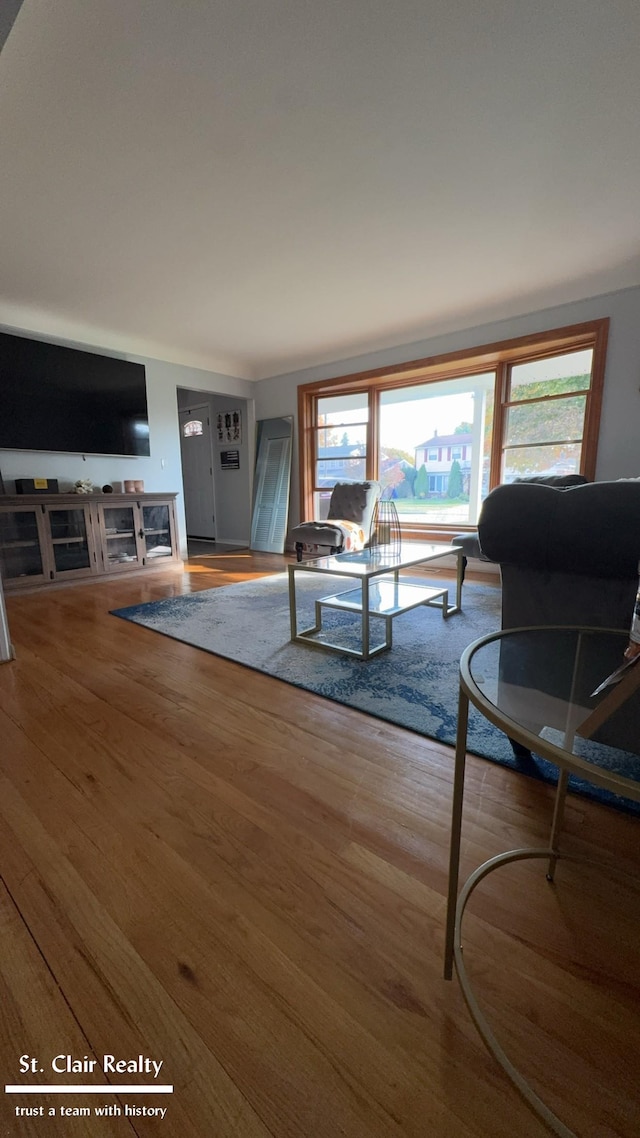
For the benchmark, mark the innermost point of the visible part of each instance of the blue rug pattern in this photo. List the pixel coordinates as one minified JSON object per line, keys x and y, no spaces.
{"x":415,"y":685}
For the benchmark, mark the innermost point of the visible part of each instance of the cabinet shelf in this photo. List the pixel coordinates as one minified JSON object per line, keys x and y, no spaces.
{"x":107,"y":536}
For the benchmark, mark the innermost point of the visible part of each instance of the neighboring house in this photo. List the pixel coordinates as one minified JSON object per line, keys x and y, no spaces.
{"x":438,"y":454}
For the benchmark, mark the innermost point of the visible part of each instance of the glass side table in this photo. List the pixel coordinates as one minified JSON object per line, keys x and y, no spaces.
{"x":538,"y":685}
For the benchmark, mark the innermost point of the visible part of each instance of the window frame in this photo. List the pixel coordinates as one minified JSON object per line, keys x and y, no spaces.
{"x":319,"y":428}
{"x":498,"y":357}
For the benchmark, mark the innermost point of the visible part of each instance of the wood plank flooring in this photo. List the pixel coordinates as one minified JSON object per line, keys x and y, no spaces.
{"x":205,"y":866}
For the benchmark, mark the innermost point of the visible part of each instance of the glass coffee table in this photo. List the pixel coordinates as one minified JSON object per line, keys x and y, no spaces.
{"x":379,"y":592}
{"x":539,"y":686}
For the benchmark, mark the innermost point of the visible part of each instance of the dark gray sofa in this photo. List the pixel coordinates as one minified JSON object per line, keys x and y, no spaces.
{"x":567,"y":557}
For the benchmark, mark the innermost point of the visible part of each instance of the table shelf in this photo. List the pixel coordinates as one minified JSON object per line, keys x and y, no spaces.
{"x":386,"y":598}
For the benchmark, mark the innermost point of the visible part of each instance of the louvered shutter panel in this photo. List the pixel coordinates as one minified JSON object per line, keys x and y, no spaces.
{"x":271,"y":511}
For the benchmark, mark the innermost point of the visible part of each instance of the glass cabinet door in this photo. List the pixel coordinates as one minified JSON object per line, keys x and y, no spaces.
{"x":156,"y":527}
{"x":121,"y":548}
{"x":71,"y":549}
{"x":21,"y":558}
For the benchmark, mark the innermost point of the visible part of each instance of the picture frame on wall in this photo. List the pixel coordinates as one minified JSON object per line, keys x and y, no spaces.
{"x":229,"y":426}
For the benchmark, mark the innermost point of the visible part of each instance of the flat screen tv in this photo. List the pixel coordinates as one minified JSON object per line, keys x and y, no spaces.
{"x":60,"y":399}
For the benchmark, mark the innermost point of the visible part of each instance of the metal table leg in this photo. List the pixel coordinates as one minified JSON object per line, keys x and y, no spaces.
{"x":456,"y":830}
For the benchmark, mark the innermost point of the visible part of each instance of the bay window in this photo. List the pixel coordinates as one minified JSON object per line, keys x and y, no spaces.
{"x":440,"y":433}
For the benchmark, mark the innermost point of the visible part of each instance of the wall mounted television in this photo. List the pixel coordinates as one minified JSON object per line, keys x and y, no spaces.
{"x":59,"y":399}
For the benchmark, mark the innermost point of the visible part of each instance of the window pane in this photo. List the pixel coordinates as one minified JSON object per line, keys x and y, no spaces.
{"x":343,"y":409}
{"x":540,"y":378}
{"x":332,"y":470}
{"x":342,"y":442}
{"x":546,"y":421}
{"x":527,"y":462}
{"x":342,"y":453}
{"x":435,"y":442}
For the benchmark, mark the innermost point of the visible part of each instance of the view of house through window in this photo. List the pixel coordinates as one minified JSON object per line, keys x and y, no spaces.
{"x":457,"y":426}
{"x":435,"y":448}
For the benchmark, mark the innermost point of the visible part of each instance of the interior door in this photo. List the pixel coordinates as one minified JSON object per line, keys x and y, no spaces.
{"x":197,"y":471}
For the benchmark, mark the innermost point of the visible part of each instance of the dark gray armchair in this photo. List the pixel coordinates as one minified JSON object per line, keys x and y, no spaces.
{"x":567,"y":557}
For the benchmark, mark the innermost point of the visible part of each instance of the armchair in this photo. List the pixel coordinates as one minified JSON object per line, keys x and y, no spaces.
{"x":349,"y":520}
{"x":566,"y":556}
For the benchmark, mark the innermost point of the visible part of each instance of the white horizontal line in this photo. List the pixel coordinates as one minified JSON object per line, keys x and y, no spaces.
{"x":87,"y":1089}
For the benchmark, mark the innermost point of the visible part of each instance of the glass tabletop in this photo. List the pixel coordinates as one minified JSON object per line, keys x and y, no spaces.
{"x":553,"y":690}
{"x":376,"y":559}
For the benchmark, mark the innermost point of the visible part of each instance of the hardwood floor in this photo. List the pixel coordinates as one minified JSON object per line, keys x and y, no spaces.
{"x":208,"y":867}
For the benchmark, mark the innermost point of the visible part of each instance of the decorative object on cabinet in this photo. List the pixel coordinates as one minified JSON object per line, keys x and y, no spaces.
{"x":36,"y":485}
{"x":46,"y":541}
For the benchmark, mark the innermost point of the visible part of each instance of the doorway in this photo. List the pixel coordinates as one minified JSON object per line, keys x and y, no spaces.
{"x":196,"y":450}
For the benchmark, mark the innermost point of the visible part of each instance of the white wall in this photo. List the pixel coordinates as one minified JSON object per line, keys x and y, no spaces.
{"x":162,"y":471}
{"x":619,"y":445}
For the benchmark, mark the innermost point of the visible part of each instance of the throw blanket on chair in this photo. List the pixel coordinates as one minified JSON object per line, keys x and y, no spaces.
{"x":353,"y":537}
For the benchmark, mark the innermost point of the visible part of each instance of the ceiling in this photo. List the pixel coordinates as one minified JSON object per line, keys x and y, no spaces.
{"x":254,"y":186}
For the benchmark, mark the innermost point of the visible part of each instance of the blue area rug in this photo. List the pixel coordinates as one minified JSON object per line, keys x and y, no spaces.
{"x":415,"y":685}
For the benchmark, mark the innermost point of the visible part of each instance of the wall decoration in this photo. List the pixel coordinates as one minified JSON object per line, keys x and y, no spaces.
{"x":229,"y":426}
{"x":230,"y":459}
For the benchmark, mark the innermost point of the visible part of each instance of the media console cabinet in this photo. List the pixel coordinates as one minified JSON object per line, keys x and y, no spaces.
{"x":51,"y":538}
